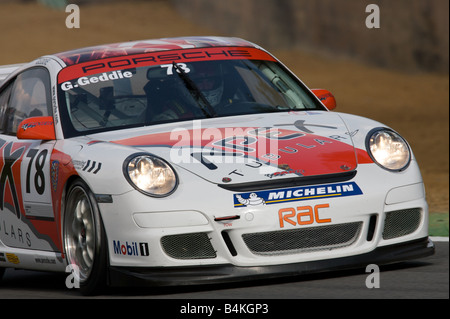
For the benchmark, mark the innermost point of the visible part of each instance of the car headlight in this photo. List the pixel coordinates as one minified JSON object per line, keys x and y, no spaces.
{"x":388,"y":149}
{"x":150,"y":175}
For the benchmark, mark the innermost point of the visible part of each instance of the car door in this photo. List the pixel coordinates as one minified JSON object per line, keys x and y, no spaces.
{"x":26,"y":214}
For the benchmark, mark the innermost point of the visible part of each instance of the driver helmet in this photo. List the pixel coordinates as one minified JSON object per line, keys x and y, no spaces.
{"x":208,"y":78}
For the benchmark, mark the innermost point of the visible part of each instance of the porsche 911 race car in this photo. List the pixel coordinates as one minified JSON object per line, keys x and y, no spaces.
{"x":191,"y":161}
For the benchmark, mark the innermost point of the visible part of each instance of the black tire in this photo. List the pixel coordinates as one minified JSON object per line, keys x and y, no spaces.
{"x":85,"y":239}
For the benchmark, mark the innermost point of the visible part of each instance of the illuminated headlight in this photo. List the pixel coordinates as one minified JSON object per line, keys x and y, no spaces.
{"x":388,"y":149}
{"x":150,"y":175}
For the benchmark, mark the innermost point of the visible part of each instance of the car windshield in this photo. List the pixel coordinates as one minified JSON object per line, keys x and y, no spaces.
{"x":178,"y":91}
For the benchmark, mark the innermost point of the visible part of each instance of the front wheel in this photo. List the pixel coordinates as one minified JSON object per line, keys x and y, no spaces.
{"x":84,"y":238}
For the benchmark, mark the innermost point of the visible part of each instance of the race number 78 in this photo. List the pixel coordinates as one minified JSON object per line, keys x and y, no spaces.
{"x":37,"y":159}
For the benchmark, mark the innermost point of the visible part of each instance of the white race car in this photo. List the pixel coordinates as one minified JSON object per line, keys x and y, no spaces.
{"x":191,"y":161}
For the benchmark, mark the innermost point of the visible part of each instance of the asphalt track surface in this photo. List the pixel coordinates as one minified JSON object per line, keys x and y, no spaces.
{"x":426,"y":278}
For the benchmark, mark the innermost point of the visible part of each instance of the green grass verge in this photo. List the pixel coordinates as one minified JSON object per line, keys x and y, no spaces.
{"x":438,"y":224}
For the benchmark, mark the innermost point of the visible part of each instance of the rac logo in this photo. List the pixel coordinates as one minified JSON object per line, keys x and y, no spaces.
{"x":303,"y":215}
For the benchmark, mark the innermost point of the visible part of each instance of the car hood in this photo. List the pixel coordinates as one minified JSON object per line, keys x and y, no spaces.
{"x":253,"y":148}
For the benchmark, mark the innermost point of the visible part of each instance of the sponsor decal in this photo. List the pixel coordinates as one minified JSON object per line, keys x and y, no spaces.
{"x":44,"y":260}
{"x":93,"y":167}
{"x":304,"y":215}
{"x":130,"y":249}
{"x":296,"y":194}
{"x":298,"y":172}
{"x":14,"y":234}
{"x":28,"y":125}
{"x":12,"y":258}
{"x":54,"y":169}
{"x":252,"y":200}
{"x":305,"y":127}
{"x":11,"y":153}
{"x":27,"y":176}
{"x":87,"y":166}
{"x":265,"y":148}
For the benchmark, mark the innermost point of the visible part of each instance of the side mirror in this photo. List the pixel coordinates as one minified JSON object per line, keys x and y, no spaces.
{"x":326,"y":98}
{"x":37,"y":128}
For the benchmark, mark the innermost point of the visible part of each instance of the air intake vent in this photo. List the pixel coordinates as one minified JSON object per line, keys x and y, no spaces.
{"x":401,"y":222}
{"x":188,"y":246}
{"x":303,"y":240}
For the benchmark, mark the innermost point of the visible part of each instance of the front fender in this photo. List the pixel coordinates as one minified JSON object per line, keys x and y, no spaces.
{"x":99,"y":164}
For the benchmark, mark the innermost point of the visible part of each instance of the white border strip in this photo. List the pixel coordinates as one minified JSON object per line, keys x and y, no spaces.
{"x":435,"y":238}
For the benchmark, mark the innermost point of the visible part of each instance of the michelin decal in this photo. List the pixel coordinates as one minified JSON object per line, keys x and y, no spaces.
{"x":296,"y":194}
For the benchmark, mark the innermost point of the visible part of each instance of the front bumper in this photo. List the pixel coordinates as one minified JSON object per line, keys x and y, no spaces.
{"x":226,"y":273}
{"x":198,"y":236}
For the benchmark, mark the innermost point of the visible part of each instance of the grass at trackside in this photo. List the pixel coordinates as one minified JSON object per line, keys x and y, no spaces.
{"x":438,"y":224}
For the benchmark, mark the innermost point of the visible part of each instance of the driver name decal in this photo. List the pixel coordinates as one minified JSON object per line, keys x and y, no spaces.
{"x":110,"y":76}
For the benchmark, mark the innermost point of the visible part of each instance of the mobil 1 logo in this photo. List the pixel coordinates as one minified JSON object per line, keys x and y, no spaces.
{"x":130,"y":248}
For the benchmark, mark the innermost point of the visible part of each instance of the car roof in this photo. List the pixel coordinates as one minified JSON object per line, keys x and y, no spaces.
{"x":6,"y":70}
{"x":144,"y":46}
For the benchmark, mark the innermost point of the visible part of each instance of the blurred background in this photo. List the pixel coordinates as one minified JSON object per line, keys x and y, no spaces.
{"x":397,"y":73}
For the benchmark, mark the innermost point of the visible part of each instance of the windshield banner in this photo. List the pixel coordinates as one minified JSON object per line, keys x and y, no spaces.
{"x":158,"y":58}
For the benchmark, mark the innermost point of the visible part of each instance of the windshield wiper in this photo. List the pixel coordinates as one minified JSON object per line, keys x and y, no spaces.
{"x":204,"y":104}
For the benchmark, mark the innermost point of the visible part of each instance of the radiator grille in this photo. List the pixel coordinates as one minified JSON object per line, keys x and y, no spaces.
{"x":303,"y":240}
{"x":401,"y":222}
{"x":188,"y":246}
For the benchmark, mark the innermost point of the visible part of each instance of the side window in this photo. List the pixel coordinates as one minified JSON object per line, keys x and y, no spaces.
{"x":30,"y":96}
{"x":4,"y":99}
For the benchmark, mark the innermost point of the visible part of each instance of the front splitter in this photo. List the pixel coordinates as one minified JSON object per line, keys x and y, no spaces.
{"x":227,"y":273}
